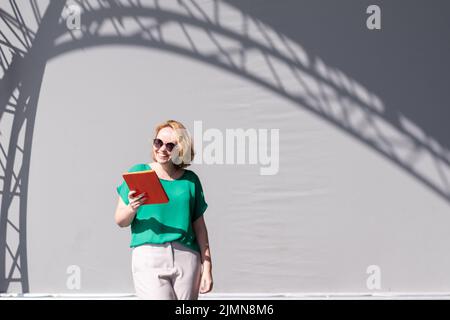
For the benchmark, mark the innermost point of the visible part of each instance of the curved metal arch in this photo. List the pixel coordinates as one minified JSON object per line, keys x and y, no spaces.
{"x":22,"y":67}
{"x":401,"y":143}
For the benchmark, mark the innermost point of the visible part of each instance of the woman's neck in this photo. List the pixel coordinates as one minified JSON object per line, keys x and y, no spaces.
{"x":168,"y":168}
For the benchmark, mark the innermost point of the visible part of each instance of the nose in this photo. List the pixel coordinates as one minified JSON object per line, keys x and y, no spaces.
{"x":163,"y":148}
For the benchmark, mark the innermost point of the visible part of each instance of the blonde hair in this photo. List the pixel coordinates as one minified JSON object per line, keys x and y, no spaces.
{"x":184,"y":146}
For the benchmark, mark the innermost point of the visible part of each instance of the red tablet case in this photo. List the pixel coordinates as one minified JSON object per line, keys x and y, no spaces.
{"x":146,"y":181}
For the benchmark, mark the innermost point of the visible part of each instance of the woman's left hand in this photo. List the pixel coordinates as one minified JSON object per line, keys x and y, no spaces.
{"x":206,"y":282}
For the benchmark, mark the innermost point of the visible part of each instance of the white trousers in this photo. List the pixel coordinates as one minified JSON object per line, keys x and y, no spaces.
{"x":168,"y":271}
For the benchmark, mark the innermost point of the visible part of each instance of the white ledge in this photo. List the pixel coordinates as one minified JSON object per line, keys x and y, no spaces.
{"x":242,"y":296}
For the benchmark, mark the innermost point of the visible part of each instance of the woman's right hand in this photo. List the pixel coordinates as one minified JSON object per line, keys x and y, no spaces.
{"x":135,"y":201}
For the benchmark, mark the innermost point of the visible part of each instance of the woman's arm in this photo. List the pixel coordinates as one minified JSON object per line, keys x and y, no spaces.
{"x":124,"y":214}
{"x":201,"y":234}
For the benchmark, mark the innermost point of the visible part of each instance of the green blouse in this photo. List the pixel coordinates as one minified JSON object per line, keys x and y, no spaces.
{"x":171,"y":221}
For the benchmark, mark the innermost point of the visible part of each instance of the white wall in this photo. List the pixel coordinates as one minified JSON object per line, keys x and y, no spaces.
{"x":335,"y":207}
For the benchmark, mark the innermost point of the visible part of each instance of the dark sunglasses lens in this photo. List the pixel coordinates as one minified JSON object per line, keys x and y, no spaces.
{"x":170,"y":146}
{"x":157,"y":143}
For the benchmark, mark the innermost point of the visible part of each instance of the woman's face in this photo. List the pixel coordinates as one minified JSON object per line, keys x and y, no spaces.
{"x":162,"y":155}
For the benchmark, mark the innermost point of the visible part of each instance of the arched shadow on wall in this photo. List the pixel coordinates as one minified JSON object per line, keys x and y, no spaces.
{"x":247,"y":48}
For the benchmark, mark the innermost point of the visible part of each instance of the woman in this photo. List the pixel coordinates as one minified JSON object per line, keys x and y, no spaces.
{"x":171,"y":258}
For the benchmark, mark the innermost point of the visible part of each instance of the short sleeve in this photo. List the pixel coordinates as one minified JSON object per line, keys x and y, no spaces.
{"x":123,"y":189}
{"x":200,"y":203}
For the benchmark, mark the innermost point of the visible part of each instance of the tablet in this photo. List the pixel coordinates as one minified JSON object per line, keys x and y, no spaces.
{"x":146,"y":181}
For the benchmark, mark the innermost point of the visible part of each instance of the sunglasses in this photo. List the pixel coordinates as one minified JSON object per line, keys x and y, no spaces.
{"x":158,"y":143}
